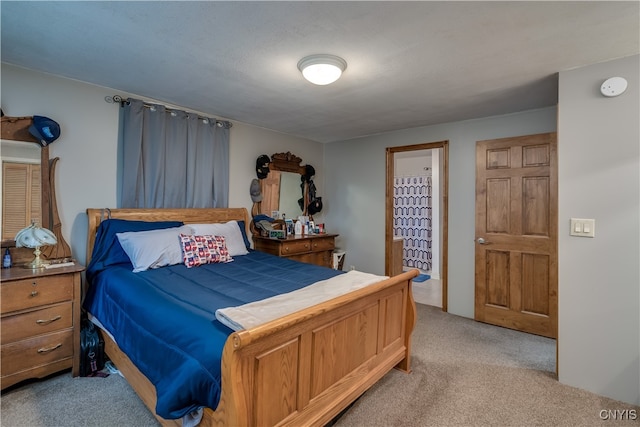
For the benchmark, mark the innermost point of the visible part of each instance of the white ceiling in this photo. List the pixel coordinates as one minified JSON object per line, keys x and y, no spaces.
{"x":409,"y":63}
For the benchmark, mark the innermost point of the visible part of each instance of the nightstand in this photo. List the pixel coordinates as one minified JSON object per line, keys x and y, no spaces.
{"x":40,"y":322}
{"x":310,"y":248}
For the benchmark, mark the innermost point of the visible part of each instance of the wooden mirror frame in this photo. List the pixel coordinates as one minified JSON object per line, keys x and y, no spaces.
{"x":17,"y":129}
{"x":283,"y":162}
{"x":287,"y":162}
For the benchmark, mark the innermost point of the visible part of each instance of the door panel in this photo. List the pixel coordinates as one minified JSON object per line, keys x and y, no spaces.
{"x":498,"y":201}
{"x":497,"y":283}
{"x":516,"y":233}
{"x":535,"y":283}
{"x":535,"y":194}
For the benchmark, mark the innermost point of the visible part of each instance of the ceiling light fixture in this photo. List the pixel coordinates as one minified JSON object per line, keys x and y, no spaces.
{"x":322,"y":69}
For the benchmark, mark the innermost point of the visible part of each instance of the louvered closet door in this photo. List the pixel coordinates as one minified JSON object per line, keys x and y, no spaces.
{"x":516,"y":234}
{"x":270,"y":192}
{"x":21,"y":200}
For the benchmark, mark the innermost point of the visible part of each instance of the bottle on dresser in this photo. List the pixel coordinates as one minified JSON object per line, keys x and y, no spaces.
{"x":6,"y":259}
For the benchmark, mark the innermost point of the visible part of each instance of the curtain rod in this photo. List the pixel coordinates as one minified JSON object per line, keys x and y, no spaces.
{"x":416,"y":175}
{"x":117,"y":99}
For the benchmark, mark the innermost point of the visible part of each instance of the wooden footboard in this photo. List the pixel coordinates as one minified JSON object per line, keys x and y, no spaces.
{"x":304,"y":368}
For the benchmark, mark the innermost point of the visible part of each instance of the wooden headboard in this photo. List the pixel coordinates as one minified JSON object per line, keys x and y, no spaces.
{"x":186,"y":215}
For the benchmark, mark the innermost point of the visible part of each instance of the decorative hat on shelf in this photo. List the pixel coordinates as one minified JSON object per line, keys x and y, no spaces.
{"x":44,"y":130}
{"x":256,"y":192}
{"x":262,"y":166}
{"x":34,"y":237}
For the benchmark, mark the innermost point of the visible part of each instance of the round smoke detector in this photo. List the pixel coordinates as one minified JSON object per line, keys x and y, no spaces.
{"x":614,"y":86}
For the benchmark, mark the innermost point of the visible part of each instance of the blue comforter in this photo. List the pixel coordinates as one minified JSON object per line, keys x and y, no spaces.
{"x":164,"y":319}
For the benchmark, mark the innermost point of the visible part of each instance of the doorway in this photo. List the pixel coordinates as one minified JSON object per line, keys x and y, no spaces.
{"x":419,"y":172}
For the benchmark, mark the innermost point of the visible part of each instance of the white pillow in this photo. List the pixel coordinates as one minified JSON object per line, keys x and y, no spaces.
{"x":231,"y":232}
{"x":153,"y":248}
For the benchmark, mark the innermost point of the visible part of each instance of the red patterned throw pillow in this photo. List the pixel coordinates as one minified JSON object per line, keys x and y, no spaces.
{"x":205,"y":249}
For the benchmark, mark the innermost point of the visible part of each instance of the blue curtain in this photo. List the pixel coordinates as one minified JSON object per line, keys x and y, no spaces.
{"x":173,"y":159}
{"x":412,"y":220}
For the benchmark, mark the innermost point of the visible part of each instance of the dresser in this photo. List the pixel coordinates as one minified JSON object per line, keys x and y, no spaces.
{"x":312,"y":249}
{"x":39,"y":323}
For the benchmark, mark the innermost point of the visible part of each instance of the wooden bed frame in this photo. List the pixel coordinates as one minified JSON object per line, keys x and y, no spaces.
{"x":301,"y":369}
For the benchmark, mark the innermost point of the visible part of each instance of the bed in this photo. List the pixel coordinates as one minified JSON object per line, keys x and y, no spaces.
{"x":303,"y":368}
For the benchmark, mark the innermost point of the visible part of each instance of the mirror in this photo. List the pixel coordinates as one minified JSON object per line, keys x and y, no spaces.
{"x":22,"y":187}
{"x":281,"y":187}
{"x":280,"y":192}
{"x":20,"y":148}
{"x":290,"y":192}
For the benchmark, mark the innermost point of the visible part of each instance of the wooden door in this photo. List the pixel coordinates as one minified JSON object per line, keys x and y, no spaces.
{"x":21,"y":197}
{"x":270,"y":192}
{"x":516,"y":251}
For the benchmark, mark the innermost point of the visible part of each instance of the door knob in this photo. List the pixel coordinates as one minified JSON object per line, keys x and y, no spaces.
{"x":481,"y":241}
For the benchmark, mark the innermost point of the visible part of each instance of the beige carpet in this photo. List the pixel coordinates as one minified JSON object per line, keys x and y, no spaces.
{"x":464,"y":374}
{"x":467,"y":373}
{"x":63,"y":401}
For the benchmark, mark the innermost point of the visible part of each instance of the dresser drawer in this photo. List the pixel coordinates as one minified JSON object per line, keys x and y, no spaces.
{"x":324,"y":259}
{"x":37,"y":322}
{"x":323,"y":244}
{"x":28,"y":293}
{"x":312,"y":249}
{"x":306,"y":258}
{"x":37,"y":351}
{"x":296,"y":247}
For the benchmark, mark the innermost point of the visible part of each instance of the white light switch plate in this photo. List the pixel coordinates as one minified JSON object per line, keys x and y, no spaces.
{"x":582,"y":227}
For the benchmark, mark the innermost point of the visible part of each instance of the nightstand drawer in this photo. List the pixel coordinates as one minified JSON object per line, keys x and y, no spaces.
{"x":302,"y":246}
{"x":28,"y":293}
{"x":323,"y":244}
{"x":37,"y":322}
{"x":37,"y":351}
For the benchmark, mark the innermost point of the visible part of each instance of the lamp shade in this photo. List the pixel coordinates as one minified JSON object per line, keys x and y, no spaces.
{"x":35,"y":236}
{"x":322,"y":69}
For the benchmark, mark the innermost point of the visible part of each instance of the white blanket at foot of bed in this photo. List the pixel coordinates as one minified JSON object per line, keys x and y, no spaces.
{"x":256,"y":313}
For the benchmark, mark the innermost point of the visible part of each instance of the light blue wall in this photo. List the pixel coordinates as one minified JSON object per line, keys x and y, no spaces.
{"x":599,"y":177}
{"x":355,"y":183}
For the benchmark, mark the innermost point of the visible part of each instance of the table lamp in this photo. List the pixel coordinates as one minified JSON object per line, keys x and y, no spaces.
{"x":35,"y":236}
